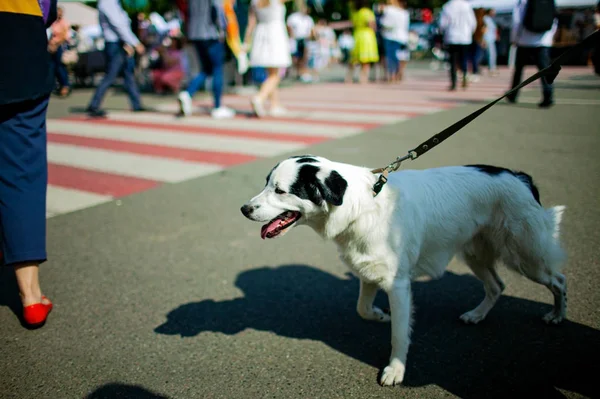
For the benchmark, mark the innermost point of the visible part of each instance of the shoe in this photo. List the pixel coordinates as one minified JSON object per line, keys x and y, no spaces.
{"x":143,"y":109}
{"x":547,"y":103}
{"x":465,"y":82}
{"x":222,"y":113}
{"x":35,"y":315}
{"x":258,"y":107}
{"x":511,"y":100}
{"x":95,"y":112}
{"x":474,"y":78}
{"x":278,"y":112}
{"x":185,"y":103}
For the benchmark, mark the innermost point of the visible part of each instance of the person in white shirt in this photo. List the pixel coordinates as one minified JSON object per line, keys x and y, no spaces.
{"x":395,"y":22}
{"x":457,"y":23}
{"x":531,"y":46}
{"x":301,"y":28}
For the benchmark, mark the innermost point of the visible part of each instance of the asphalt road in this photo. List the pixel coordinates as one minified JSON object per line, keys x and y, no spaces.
{"x":172,"y":293}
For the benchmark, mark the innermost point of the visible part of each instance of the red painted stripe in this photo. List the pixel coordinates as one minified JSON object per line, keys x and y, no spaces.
{"x":96,"y":182}
{"x":199,"y":130}
{"x":219,"y":158}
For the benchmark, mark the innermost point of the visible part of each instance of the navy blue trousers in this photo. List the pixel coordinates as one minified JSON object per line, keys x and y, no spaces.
{"x":117,"y":61}
{"x":23,"y":181}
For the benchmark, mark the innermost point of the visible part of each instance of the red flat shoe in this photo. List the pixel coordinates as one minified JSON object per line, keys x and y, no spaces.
{"x":35,"y":315}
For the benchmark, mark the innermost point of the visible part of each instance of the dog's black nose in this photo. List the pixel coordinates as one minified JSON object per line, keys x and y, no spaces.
{"x":247,"y":210}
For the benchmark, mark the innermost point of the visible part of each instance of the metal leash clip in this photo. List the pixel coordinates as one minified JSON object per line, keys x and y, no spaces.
{"x":392,"y":167}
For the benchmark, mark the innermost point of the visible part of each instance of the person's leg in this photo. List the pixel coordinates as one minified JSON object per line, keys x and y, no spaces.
{"x":62,"y":75}
{"x":23,"y":183}
{"x":266,"y":89}
{"x":205,"y":68}
{"x":400,"y":75}
{"x":520,"y":62}
{"x":492,"y":55}
{"x":391,"y":59}
{"x":453,"y":55}
{"x":270,"y":88}
{"x":350,"y":72}
{"x":216,"y":54}
{"x":364,"y":73}
{"x":543,"y":61}
{"x":114,"y":63}
{"x":463,"y":55}
{"x":475,"y":55}
{"x":129,"y":82}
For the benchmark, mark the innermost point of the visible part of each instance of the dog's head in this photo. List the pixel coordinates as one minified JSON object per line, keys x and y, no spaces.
{"x":298,"y":190}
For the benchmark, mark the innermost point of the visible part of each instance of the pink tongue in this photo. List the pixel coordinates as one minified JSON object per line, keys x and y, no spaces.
{"x":266,"y":229}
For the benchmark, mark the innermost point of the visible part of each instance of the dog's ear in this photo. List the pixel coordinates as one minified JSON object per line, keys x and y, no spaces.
{"x":333,"y":188}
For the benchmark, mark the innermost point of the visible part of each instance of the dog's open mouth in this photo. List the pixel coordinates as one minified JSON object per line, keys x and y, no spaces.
{"x":278,"y":225}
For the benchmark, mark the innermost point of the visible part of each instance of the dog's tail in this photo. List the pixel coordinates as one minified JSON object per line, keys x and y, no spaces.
{"x":555,"y":213}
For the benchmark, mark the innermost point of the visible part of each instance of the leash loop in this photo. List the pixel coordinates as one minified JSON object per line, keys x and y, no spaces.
{"x":549,"y":73}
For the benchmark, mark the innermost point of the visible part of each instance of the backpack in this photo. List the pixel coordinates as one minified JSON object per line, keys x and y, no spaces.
{"x":539,"y":15}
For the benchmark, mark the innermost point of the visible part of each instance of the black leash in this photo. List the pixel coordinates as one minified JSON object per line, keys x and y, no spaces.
{"x":550,"y":73}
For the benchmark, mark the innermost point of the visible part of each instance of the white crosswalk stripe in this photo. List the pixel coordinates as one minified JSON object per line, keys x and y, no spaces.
{"x":134,"y":165}
{"x":61,"y":200}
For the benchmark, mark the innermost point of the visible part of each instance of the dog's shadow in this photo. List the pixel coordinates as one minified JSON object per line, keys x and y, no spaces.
{"x":509,"y":354}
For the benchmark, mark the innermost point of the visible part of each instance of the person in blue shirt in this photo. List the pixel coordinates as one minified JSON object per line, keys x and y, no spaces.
{"x":489,"y":39}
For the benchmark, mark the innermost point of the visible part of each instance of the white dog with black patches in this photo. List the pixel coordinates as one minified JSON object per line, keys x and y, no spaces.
{"x":414,"y":227}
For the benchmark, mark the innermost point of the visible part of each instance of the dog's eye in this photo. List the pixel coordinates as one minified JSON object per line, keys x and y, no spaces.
{"x":279,"y":191}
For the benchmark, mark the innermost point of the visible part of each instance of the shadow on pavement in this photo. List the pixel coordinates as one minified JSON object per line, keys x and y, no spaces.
{"x":511,"y":352}
{"x":125,"y":391}
{"x":9,"y":291}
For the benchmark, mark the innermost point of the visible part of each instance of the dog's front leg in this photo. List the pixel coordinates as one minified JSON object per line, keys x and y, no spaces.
{"x":400,"y":304}
{"x":365,"y":308}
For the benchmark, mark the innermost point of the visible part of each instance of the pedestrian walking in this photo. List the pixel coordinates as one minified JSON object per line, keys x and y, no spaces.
{"x":26,"y":81}
{"x":120,"y":45}
{"x":206,"y":31}
{"x":533,"y":30}
{"x":489,"y":38}
{"x":301,"y":28}
{"x":457,"y":23}
{"x":270,"y":49}
{"x":477,"y":45}
{"x":395,"y":23}
{"x":365,"y":51}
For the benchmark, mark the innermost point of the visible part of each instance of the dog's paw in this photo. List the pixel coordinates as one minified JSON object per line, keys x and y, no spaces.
{"x":554,"y":317}
{"x":472,"y":317}
{"x":375,"y":314}
{"x":393,"y":374}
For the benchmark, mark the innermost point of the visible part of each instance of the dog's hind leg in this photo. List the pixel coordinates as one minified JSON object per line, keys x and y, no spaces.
{"x":557,"y":284}
{"x":558,"y":287}
{"x":479,"y":256}
{"x":365,"y":307}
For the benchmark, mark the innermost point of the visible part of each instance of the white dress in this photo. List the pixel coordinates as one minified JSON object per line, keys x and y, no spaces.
{"x":270,"y":45}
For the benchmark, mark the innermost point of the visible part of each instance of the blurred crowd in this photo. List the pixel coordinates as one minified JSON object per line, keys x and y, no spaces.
{"x":375,"y":44}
